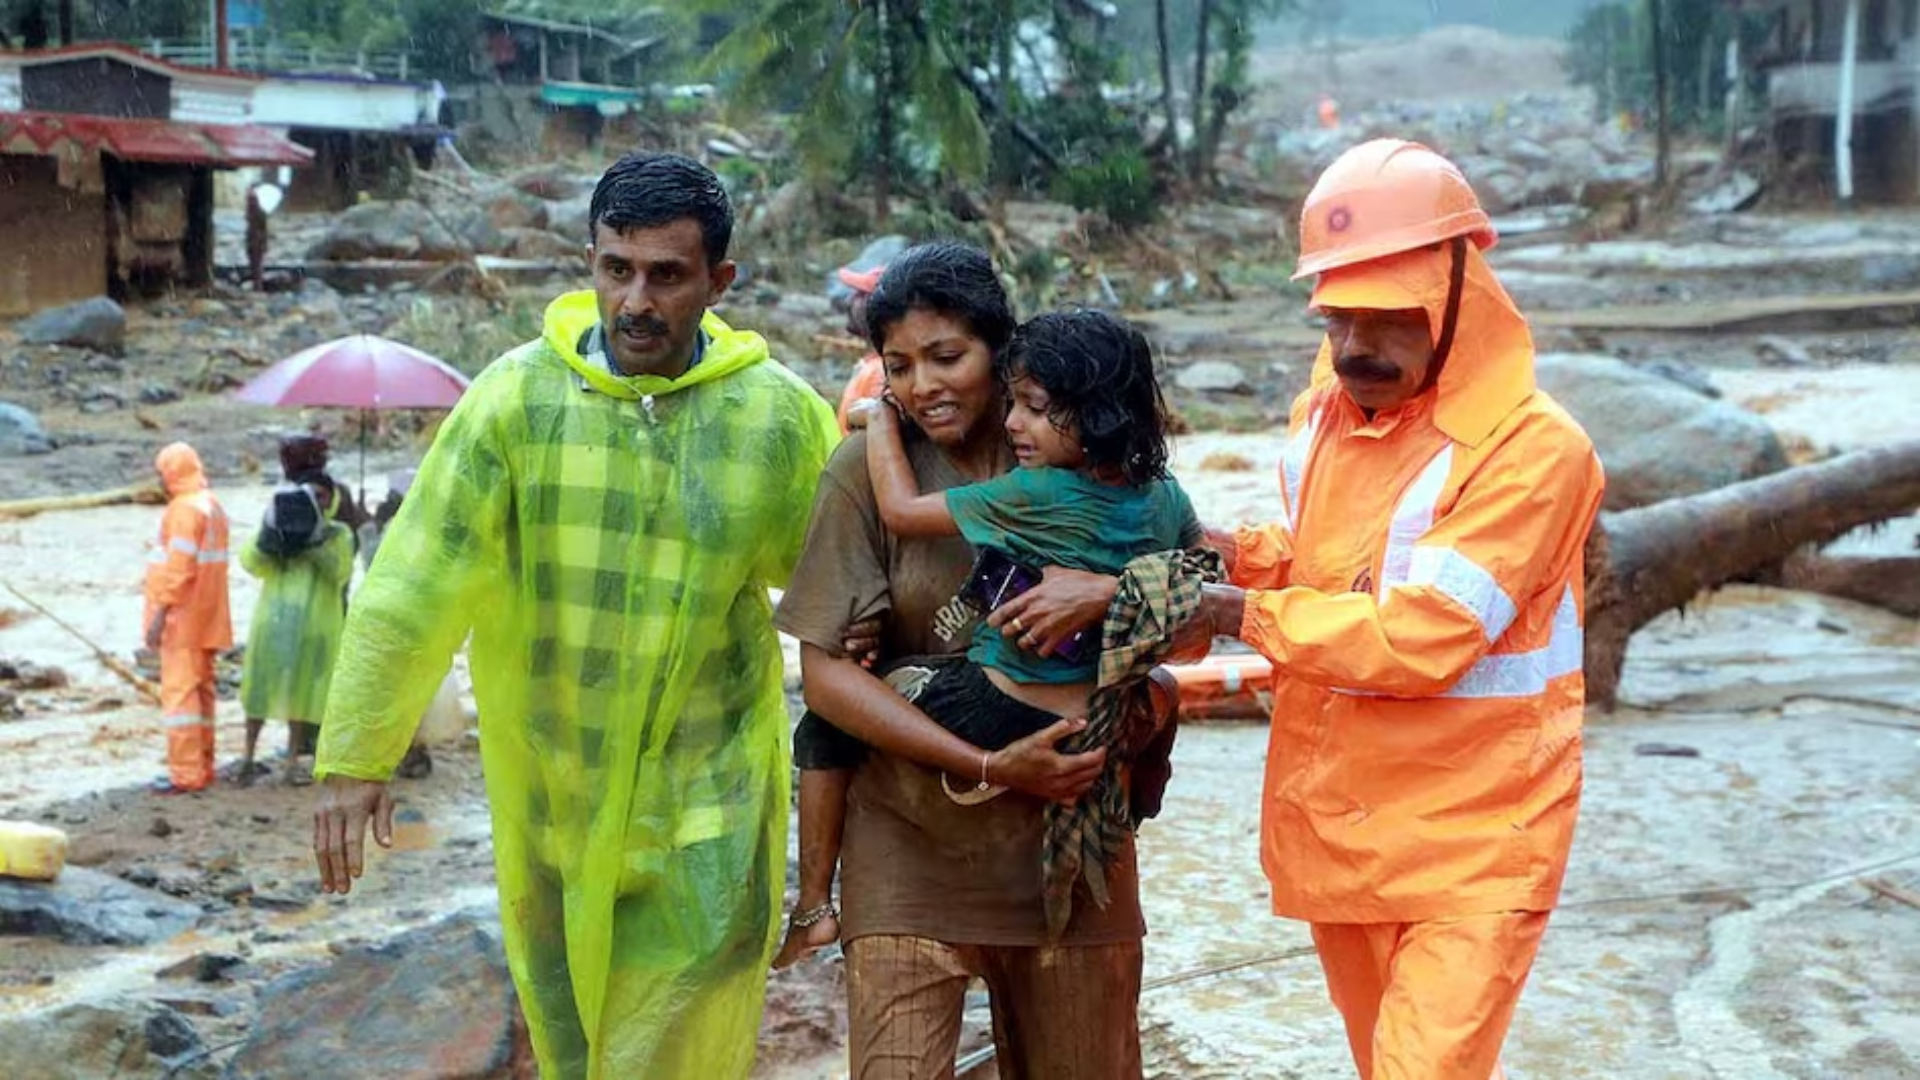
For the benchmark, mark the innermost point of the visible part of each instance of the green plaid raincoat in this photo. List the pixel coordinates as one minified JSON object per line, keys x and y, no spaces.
{"x":609,"y":542}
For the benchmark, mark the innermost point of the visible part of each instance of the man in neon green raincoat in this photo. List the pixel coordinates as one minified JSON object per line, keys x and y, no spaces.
{"x":605,"y":511}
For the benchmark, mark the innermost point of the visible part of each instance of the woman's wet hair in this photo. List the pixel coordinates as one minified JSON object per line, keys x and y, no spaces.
{"x":644,"y":191}
{"x":956,"y":280}
{"x":1097,"y":370}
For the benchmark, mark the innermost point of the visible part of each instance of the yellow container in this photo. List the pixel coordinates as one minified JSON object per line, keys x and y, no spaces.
{"x":34,"y":852}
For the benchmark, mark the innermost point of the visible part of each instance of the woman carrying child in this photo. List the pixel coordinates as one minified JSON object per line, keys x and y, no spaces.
{"x":937,"y":892}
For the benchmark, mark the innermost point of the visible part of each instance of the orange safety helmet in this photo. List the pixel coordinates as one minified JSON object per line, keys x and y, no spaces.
{"x":1384,"y":197}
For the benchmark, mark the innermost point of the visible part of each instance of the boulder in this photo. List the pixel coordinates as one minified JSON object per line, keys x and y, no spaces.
{"x":95,"y":323}
{"x":113,"y":1038}
{"x":543,"y":246}
{"x":435,"y":1003}
{"x":553,"y":182}
{"x":509,"y":208}
{"x":1217,"y":376}
{"x":1659,"y":439}
{"x":87,"y":907}
{"x":20,"y":432}
{"x":568,"y":217}
{"x":475,"y":229}
{"x":388,"y":230}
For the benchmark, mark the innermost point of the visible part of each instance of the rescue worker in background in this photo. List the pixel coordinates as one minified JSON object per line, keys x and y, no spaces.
{"x":869,"y":377}
{"x":1420,"y":598}
{"x":187,"y":620}
{"x":605,"y":511}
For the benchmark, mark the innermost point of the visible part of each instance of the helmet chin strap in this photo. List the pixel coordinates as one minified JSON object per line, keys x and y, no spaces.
{"x":1456,"y":284}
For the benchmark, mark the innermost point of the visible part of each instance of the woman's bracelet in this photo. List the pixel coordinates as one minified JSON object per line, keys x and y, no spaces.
{"x":985,"y":756}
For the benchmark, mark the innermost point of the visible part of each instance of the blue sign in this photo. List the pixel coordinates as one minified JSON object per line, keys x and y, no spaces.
{"x":244,"y":15}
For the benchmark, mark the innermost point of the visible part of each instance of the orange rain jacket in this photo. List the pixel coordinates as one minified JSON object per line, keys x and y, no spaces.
{"x":187,"y":570}
{"x":1420,"y":599}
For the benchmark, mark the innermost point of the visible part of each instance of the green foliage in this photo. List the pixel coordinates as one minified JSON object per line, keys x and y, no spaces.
{"x":462,"y":332}
{"x":1118,"y":184}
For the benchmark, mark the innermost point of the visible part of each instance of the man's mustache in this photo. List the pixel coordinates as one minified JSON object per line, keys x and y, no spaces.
{"x":1363,"y":368}
{"x":650,"y":325}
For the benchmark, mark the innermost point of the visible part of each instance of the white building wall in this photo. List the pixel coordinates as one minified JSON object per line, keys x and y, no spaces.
{"x":205,"y":104}
{"x":280,"y":102}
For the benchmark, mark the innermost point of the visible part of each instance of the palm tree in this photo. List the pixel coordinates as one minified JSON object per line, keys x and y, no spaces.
{"x":860,"y":76}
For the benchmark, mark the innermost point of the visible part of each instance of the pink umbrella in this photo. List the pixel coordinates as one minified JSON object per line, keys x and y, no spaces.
{"x":360,"y":371}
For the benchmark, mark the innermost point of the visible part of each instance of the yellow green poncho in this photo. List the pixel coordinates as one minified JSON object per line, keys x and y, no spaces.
{"x":295,"y":632}
{"x":609,"y":541}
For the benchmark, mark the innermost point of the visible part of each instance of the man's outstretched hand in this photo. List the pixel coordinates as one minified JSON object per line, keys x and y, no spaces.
{"x":340,"y":828}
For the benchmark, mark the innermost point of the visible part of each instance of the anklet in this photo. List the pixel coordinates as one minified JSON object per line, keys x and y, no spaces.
{"x":803,"y":919}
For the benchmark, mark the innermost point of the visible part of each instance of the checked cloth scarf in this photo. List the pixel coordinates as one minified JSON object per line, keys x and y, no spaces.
{"x":1157,"y":595}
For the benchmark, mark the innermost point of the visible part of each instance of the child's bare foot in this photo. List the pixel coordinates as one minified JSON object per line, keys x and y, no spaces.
{"x":808,"y":931}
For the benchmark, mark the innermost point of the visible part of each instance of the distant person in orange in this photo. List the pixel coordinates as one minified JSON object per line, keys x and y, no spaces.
{"x":187,"y":619}
{"x":869,"y":377}
{"x":1329,"y":111}
{"x":1421,"y":599}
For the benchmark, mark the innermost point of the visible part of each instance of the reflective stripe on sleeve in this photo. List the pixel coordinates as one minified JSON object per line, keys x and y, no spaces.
{"x":1466,"y":583}
{"x":1527,"y":674}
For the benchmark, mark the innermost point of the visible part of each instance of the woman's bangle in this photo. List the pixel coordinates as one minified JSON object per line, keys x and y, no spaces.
{"x":985,"y":756}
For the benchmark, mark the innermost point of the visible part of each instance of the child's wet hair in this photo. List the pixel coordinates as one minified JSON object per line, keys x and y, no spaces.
{"x":1097,"y":370}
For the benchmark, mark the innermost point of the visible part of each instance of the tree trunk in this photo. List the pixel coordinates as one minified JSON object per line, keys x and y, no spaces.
{"x":1642,"y":563}
{"x":1164,"y":43}
{"x":1662,"y":123}
{"x":1196,"y":167}
{"x":1002,"y":152}
{"x":883,"y":107}
{"x":1892,"y":583}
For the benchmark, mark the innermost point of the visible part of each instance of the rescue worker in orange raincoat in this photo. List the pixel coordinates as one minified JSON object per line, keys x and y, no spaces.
{"x":1420,"y":599}
{"x":187,"y":621}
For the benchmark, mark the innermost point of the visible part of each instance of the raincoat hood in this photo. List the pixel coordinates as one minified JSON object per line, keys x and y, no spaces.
{"x":180,"y":469}
{"x":728,"y":350}
{"x":1489,"y":370}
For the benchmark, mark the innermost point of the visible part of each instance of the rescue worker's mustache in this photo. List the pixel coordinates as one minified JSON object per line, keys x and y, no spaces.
{"x":1363,"y":368}
{"x":650,"y":325}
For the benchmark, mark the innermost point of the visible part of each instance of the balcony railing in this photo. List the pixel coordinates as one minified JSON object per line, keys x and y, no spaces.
{"x":243,"y":55}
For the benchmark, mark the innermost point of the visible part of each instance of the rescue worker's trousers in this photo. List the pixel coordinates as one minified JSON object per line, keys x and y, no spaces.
{"x":1059,"y":1013}
{"x":186,"y":706}
{"x":1429,"y":1000}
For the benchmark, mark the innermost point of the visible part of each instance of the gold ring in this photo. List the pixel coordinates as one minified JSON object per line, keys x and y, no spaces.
{"x":1017,"y":628}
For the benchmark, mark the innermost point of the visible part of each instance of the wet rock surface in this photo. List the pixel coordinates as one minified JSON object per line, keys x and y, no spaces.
{"x":86,"y":1042}
{"x":86,"y":907}
{"x":20,"y":432}
{"x":433,"y":1004}
{"x":95,"y":323}
{"x":1658,"y":438}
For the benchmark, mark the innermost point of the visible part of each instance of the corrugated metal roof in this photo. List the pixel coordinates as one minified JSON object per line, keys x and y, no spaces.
{"x":126,"y":54}
{"x":218,"y":145}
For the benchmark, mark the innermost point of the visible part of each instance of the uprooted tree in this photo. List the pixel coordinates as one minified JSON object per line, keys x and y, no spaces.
{"x":1644,"y":562}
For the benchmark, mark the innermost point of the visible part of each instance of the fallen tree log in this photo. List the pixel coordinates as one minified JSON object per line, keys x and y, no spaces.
{"x":1892,"y":583}
{"x":133,"y":493}
{"x":1647,"y":561}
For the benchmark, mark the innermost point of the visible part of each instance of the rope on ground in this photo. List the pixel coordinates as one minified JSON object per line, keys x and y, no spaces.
{"x":107,"y":660}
